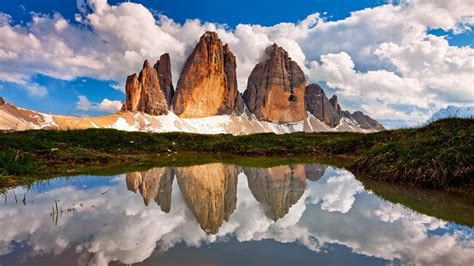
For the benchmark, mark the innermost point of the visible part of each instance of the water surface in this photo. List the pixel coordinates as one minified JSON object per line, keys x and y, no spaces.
{"x":222,"y":214}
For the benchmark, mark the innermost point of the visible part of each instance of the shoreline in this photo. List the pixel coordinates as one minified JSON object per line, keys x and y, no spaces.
{"x":438,"y":155}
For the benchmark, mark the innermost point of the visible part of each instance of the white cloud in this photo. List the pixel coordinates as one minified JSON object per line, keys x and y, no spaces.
{"x":380,"y":59}
{"x":106,"y":105}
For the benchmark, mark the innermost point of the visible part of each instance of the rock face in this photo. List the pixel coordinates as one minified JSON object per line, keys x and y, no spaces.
{"x":144,"y":94}
{"x":207,"y":85}
{"x":366,"y":122}
{"x":276,"y":87}
{"x":163,"y":69}
{"x":330,"y":112}
{"x":210,"y":191}
{"x":278,"y":188}
{"x":2,"y":101}
{"x":318,"y":104}
{"x":335,"y":105}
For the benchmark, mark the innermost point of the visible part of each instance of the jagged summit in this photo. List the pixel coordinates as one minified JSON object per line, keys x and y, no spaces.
{"x":207,"y":85}
{"x":275,"y":88}
{"x":163,"y":69}
{"x":207,"y":99}
{"x":144,"y":92}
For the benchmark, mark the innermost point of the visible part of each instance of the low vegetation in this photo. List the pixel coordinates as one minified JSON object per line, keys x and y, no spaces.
{"x":438,"y":155}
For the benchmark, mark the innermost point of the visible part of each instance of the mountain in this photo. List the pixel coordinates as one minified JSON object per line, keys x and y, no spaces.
{"x":317,"y":104}
{"x":452,"y":111}
{"x":144,"y":92}
{"x":207,"y":99}
{"x":207,"y":85}
{"x":275,"y":88}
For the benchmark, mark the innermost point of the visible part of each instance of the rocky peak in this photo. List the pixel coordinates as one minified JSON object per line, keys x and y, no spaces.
{"x":2,"y":101}
{"x":275,"y":88}
{"x":335,"y":104}
{"x":365,"y":121}
{"x":144,"y":93}
{"x":207,"y":85}
{"x":318,"y":105}
{"x":163,"y":69}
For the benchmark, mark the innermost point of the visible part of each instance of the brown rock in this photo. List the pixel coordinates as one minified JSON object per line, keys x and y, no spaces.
{"x":318,"y":104}
{"x":278,"y":188}
{"x":208,"y":83}
{"x":275,"y":88}
{"x":239,"y":104}
{"x":2,"y":101}
{"x":366,"y":122}
{"x":210,"y":191}
{"x":163,"y":68}
{"x":144,"y":94}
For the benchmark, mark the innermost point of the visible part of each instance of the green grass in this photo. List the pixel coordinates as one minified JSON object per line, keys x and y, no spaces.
{"x":457,"y":207}
{"x":438,"y":155}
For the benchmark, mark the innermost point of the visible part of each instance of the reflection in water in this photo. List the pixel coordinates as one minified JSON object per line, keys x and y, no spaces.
{"x":210,"y":191}
{"x":307,"y":207}
{"x":278,"y":188}
{"x":153,"y":184}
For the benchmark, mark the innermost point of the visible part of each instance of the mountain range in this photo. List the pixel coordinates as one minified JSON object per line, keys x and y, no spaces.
{"x":207,"y":100}
{"x":452,"y":111}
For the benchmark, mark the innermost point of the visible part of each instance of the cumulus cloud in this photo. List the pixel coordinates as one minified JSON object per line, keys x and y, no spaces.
{"x":380,"y":60}
{"x":106,"y":105}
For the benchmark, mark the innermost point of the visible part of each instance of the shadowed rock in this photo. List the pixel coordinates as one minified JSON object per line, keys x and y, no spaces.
{"x":278,"y":188}
{"x":318,"y":105}
{"x":207,"y":85}
{"x":335,"y":105}
{"x":144,"y":94}
{"x":366,"y":122}
{"x":275,"y":88}
{"x":163,"y":69}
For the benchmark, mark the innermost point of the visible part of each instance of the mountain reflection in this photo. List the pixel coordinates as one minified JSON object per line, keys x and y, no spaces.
{"x":210,"y":190}
{"x":153,"y":184}
{"x":278,"y":188}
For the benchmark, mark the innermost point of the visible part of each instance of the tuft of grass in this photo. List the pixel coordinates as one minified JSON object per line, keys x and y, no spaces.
{"x":17,"y":162}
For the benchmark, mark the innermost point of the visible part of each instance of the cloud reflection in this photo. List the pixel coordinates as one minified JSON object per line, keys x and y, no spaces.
{"x":309,"y":204}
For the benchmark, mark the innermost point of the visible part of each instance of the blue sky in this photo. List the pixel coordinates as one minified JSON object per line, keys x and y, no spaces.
{"x":62,"y":94}
{"x":57,"y":91}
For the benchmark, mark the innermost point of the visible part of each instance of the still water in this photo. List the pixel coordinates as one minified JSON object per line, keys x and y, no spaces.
{"x":219,"y":214}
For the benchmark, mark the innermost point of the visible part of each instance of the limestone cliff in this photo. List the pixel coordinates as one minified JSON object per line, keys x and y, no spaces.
{"x":207,"y":85}
{"x":318,"y":104}
{"x":275,"y":88}
{"x":144,"y":94}
{"x":163,"y":69}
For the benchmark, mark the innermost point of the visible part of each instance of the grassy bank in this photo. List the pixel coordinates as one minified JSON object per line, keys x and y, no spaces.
{"x":438,"y":155}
